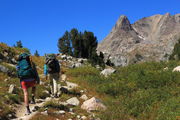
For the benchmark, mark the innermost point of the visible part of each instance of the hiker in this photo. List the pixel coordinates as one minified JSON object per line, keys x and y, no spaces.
{"x":26,"y":71}
{"x":52,"y":69}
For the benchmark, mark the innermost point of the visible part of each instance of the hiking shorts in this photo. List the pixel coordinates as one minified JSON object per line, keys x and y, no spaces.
{"x":25,"y":84}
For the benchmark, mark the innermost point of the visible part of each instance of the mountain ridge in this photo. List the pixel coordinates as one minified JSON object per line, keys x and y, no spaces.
{"x":150,"y":38}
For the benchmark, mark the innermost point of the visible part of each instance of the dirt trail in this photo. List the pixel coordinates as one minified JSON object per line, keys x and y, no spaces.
{"x":21,"y":110}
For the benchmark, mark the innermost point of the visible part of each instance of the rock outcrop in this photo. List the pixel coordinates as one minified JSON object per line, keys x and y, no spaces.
{"x":73,"y":101}
{"x":176,"y":69}
{"x":149,"y":39}
{"x":107,"y":72}
{"x":93,"y":104}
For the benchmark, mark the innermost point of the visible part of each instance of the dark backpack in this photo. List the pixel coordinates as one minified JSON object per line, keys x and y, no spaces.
{"x":25,"y":69}
{"x":52,"y":64}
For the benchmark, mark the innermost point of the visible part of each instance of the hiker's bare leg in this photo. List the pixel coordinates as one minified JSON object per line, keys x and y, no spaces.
{"x":55,"y":84}
{"x":55,"y":87}
{"x":51,"y":84}
{"x":26,"y":100}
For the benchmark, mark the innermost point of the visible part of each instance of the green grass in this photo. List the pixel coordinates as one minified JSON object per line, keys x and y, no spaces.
{"x":12,"y":50}
{"x":7,"y":99}
{"x":141,"y":91}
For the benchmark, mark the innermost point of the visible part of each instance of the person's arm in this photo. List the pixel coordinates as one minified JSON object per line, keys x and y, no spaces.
{"x":45,"y":70}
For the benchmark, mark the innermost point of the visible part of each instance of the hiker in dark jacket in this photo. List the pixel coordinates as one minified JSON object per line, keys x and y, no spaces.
{"x":52,"y":68}
{"x":28,"y":75}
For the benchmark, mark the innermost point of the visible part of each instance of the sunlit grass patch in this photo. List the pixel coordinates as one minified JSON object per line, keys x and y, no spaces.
{"x":136,"y":91}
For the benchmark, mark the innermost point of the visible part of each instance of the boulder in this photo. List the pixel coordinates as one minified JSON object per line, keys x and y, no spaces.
{"x":83,"y":117}
{"x":78,"y":65}
{"x":41,"y":82}
{"x":82,"y":91}
{"x":78,"y":116}
{"x":39,"y":100}
{"x":107,"y":72}
{"x":73,"y":101}
{"x":44,"y":113}
{"x":11,"y":89}
{"x":5,"y":54}
{"x":176,"y":69}
{"x":7,"y":79}
{"x":93,"y":104}
{"x":70,"y":109}
{"x":60,"y":112}
{"x":72,"y":65}
{"x":64,"y":57}
{"x":72,"y":113}
{"x":166,"y":68}
{"x":69,"y":57}
{"x":13,"y":61}
{"x":71,"y":85}
{"x":84,"y":97}
{"x":63,"y":77}
{"x":35,"y":108}
{"x":4,"y":69}
{"x":80,"y":60}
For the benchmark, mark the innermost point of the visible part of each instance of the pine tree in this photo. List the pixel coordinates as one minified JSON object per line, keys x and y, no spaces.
{"x":75,"y":38}
{"x":61,"y":45}
{"x":36,"y":53}
{"x":82,"y":45}
{"x":19,"y":44}
{"x":64,"y":44}
{"x":101,"y":60}
{"x":90,"y":44}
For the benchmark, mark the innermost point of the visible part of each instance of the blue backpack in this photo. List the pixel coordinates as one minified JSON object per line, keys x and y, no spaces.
{"x":24,"y":67}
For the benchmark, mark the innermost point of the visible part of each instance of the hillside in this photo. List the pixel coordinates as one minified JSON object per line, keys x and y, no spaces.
{"x":145,"y":91}
{"x":67,"y":106}
{"x":148,"y":39}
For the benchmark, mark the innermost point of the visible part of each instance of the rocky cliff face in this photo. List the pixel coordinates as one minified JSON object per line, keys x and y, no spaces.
{"x":149,"y":39}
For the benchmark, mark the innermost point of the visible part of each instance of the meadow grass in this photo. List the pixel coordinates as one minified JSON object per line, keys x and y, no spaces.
{"x":143,"y":91}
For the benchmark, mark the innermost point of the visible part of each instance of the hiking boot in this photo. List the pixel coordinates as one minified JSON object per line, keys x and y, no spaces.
{"x":28,"y":112}
{"x":32,"y":100}
{"x":56,"y":96}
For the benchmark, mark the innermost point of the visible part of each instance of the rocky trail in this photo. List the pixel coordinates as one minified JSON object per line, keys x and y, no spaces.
{"x":21,"y":111}
{"x":74,"y":103}
{"x":75,"y":100}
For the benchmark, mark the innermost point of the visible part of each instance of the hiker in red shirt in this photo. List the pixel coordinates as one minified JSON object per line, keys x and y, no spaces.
{"x":28,"y":75}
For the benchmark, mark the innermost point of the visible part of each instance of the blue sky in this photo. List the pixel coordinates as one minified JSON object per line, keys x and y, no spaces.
{"x":40,"y":23}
